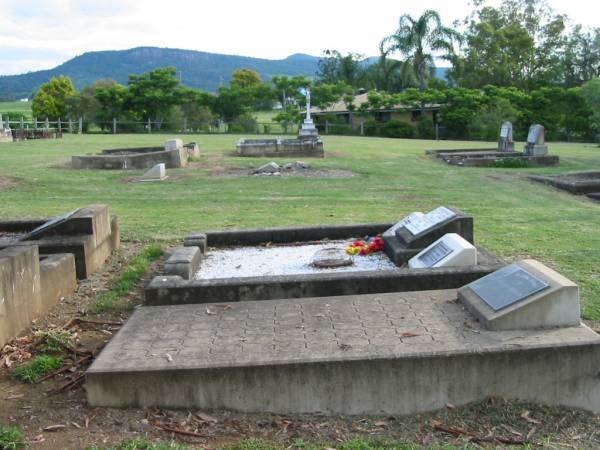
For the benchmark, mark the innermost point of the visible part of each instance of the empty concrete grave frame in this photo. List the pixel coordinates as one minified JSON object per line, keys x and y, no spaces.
{"x":556,"y":306}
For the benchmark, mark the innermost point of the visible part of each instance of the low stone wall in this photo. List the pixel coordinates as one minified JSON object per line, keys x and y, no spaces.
{"x":30,"y":285}
{"x":576,"y":183}
{"x":281,"y":148}
{"x":145,"y":158}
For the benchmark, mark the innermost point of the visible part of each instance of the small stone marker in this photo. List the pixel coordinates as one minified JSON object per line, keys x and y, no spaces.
{"x":524,"y":295}
{"x":536,"y":141}
{"x":449,"y":251}
{"x":506,"y":143}
{"x":405,"y":221}
{"x":157,"y":173}
{"x":173,"y":144}
{"x":430,"y":220}
{"x":331,"y":257}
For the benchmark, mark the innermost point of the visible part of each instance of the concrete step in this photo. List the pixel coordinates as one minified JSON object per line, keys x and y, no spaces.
{"x":396,"y":353}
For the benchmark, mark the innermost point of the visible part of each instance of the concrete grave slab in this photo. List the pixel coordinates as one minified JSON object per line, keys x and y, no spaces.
{"x":184,"y":262}
{"x":369,"y":354}
{"x":524,"y":295}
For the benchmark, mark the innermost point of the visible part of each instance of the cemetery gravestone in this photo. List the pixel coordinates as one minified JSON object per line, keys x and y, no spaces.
{"x":536,"y":143}
{"x":524,"y":295}
{"x":157,"y":173}
{"x":331,"y":257}
{"x":420,"y":232}
{"x":449,"y":251}
{"x":506,"y":143}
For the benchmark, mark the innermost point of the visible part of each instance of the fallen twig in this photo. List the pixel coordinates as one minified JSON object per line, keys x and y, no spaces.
{"x":68,"y":385}
{"x":179,"y":431}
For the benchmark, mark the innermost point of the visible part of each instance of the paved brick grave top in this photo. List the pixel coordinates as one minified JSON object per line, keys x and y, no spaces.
{"x":270,"y":332}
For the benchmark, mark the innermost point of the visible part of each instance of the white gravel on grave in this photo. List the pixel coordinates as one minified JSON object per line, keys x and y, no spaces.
{"x":281,"y":260}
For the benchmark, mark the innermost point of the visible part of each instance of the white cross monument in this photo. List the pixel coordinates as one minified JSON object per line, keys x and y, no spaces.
{"x":308,"y":128}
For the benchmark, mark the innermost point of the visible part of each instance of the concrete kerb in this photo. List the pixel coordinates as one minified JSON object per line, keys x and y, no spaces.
{"x":184,"y":262}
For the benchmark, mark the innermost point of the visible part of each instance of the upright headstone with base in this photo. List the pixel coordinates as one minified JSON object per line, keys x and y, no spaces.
{"x":173,"y":144}
{"x":506,"y":143}
{"x":308,"y":129}
{"x":536,"y":143}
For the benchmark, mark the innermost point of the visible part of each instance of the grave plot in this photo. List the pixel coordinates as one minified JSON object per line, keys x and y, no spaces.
{"x":174,"y":154}
{"x":535,"y":153}
{"x":90,"y":234}
{"x":356,"y":354}
{"x":579,"y":183}
{"x":278,"y":263}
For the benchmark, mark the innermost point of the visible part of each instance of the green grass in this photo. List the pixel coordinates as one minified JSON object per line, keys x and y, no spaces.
{"x":514,"y":218}
{"x":142,"y":444}
{"x":36,"y":368}
{"x":21,"y":107}
{"x":11,"y":438}
{"x":113,"y":300}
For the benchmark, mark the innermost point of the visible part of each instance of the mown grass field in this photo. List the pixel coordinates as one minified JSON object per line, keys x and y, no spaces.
{"x":17,"y":106}
{"x":514,"y":218}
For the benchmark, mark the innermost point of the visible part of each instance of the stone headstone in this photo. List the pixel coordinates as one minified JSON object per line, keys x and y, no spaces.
{"x":430,"y":220}
{"x":451,"y":250}
{"x":157,"y":173}
{"x":402,"y":223}
{"x":506,"y":143}
{"x":523,"y":295}
{"x":536,"y":141}
{"x":173,"y":144}
{"x":331,"y":257}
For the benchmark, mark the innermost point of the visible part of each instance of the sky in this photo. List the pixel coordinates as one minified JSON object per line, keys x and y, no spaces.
{"x":40,"y":34}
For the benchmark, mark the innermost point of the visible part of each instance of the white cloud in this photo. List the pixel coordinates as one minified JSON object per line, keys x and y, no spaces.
{"x":65,"y":28}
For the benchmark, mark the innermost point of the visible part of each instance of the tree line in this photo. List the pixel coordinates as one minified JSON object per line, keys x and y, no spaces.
{"x":518,"y":61}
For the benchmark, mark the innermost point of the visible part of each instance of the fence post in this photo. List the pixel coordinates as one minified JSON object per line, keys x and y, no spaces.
{"x":327,"y":127}
{"x":362,"y":128}
{"x":80,"y":125}
{"x":59,"y":126}
{"x":22,"y":124}
{"x":35,"y":123}
{"x":8,"y":122}
{"x":114,"y":125}
{"x":437,"y":132}
{"x":185,"y":124}
{"x":149,"y":126}
{"x":47,"y":124}
{"x":70,"y":125}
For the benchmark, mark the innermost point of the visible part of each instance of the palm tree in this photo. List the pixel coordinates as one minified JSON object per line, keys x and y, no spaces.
{"x":417,"y":40}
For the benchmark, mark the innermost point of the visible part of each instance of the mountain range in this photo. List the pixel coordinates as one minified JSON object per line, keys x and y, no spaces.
{"x":201,"y":70}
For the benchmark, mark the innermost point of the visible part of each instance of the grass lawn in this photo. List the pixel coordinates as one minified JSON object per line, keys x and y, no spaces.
{"x":513,"y":217}
{"x":17,"y":106}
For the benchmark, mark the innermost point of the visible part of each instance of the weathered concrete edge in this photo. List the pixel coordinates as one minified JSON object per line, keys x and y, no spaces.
{"x":563,"y":375}
{"x":173,"y":290}
{"x":255,"y":236}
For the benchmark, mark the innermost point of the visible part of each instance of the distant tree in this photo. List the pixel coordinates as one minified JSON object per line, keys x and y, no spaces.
{"x":111,"y":100}
{"x":520,"y":43}
{"x":581,"y":56}
{"x":286,"y":89}
{"x":245,"y":78}
{"x":50,"y":101}
{"x":84,"y":104}
{"x":419,"y":40}
{"x":151,"y":95}
{"x":591,"y":93}
{"x":326,"y":94}
{"x":333,"y":67}
{"x":196,"y":107}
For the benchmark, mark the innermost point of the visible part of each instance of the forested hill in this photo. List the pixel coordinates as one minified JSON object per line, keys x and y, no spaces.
{"x":197,"y":69}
